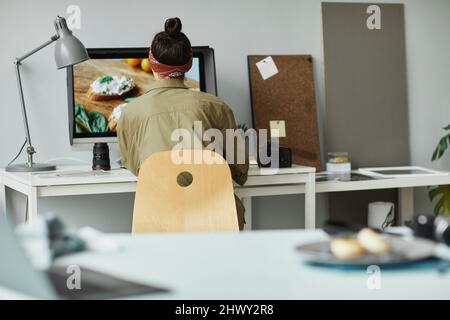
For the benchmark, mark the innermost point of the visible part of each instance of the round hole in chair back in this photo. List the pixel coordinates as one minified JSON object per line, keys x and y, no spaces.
{"x":184,"y":179}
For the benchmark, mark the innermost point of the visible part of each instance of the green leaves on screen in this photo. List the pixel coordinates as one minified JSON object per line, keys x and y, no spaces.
{"x":89,"y":122}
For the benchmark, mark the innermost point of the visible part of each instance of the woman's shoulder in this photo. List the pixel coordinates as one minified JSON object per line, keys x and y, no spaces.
{"x":210,"y":99}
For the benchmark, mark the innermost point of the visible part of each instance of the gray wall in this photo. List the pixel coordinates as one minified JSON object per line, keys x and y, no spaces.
{"x":235,"y":29}
{"x":366,"y":89}
{"x":366,"y":96}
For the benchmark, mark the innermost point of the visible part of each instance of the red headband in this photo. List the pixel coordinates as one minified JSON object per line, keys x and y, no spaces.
{"x":167,"y":70}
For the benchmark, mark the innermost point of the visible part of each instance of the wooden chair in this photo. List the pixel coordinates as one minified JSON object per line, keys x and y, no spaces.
{"x":173,"y":197}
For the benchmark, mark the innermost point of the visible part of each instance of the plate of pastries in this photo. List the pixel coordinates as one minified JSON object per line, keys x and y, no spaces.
{"x":367,"y":247}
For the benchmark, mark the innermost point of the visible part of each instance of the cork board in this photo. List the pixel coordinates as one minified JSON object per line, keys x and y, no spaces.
{"x":289,"y":97}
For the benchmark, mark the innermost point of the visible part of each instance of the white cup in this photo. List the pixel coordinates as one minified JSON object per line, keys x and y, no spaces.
{"x":380,"y":214}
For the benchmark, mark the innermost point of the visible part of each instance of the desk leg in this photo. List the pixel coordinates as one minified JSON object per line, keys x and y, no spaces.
{"x":310,"y":202}
{"x":2,"y":198}
{"x":247,"y":202}
{"x":406,"y":204}
{"x":32,"y":205}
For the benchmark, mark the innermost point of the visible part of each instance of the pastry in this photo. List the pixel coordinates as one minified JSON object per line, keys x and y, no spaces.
{"x":115,"y":116}
{"x":346,"y":248}
{"x":372,"y":241}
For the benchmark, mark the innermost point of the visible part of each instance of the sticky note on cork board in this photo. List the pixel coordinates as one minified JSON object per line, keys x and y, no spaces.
{"x":277,"y":128}
{"x":267,"y":68}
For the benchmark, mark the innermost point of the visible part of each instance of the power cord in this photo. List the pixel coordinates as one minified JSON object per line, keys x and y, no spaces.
{"x":67,"y":158}
{"x":48,"y":161}
{"x":18,"y":154}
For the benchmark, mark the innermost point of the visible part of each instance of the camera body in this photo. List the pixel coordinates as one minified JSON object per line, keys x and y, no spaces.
{"x":284,"y":156}
{"x":436,"y":228}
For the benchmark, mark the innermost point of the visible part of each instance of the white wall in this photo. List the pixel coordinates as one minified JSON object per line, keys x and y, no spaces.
{"x":234,"y":29}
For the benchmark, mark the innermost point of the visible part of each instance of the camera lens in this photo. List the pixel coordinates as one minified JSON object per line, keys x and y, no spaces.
{"x":100,"y":160}
{"x":442,"y":229}
{"x":423,"y":226}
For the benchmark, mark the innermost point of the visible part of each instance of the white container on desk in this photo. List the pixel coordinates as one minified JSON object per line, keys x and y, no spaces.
{"x":339,"y":167}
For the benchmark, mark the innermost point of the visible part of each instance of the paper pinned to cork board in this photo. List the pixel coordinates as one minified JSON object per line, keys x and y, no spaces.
{"x":267,"y":68}
{"x":285,"y":104}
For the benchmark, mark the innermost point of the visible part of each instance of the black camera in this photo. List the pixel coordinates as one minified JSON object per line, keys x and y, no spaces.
{"x":284,"y":156}
{"x":436,"y":228}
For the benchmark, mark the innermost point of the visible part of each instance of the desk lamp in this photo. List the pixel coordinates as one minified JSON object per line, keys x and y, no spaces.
{"x":68,"y":51}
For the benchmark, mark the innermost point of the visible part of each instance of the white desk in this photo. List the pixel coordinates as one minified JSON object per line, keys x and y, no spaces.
{"x":261,"y":182}
{"x":252,"y":265}
{"x":405,"y":186}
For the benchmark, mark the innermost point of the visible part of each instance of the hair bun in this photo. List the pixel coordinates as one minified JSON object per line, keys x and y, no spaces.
{"x":173,"y":25}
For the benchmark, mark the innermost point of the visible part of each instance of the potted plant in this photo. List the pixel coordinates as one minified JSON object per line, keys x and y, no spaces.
{"x":441,"y":193}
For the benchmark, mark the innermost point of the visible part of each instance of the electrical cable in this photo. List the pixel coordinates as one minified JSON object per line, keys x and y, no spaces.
{"x":18,"y":154}
{"x":67,"y":158}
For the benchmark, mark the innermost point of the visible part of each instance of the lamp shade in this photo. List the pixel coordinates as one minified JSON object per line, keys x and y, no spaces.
{"x":68,"y":49}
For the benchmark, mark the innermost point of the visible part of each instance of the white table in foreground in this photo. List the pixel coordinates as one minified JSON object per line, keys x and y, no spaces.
{"x":252,"y":265}
{"x":261,"y":182}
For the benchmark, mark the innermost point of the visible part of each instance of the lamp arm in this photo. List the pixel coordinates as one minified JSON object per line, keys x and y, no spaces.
{"x":42,"y":46}
{"x":17,"y":63}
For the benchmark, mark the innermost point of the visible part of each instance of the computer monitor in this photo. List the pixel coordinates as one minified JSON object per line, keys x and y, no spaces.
{"x":125,"y":75}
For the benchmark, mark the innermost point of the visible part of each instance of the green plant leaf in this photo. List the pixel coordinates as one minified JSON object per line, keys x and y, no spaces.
{"x":442,"y":194}
{"x":434,"y":156}
{"x":433,"y":193}
{"x":441,"y":147}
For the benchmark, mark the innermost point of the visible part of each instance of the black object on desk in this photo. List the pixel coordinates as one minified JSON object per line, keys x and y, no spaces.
{"x":100,"y":159}
{"x":432,"y":227}
{"x":341,"y":228}
{"x":284,"y":157}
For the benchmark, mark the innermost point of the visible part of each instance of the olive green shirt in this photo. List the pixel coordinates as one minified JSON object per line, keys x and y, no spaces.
{"x":147,"y":123}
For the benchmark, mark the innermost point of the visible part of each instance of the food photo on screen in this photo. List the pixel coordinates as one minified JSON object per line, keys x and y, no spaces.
{"x":103,"y":87}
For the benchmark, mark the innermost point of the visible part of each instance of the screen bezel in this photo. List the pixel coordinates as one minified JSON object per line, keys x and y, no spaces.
{"x":115,"y":53}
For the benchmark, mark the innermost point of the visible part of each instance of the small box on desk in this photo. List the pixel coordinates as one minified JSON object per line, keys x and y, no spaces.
{"x":339,"y":167}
